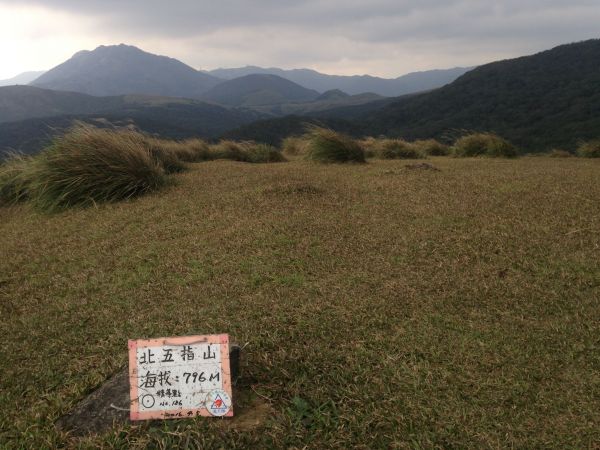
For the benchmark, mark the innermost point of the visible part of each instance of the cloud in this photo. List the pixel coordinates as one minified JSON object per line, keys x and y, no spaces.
{"x":385,"y":37}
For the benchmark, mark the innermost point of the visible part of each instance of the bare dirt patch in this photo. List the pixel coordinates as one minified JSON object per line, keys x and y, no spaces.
{"x":294,"y":188}
{"x":251,"y":412}
{"x":422,"y":166}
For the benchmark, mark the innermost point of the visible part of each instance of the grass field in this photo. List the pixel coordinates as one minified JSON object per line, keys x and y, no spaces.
{"x":383,"y":307}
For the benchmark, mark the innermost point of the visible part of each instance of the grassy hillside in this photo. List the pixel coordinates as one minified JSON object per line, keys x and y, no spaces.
{"x":164,"y":116}
{"x":322,"y":103}
{"x":274,"y":131}
{"x":539,"y":102}
{"x":257,"y":90}
{"x":383,"y":307}
{"x":27,"y":102}
{"x":548,"y":99}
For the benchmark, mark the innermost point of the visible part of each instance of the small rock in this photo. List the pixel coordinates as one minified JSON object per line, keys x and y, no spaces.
{"x":109,"y":404}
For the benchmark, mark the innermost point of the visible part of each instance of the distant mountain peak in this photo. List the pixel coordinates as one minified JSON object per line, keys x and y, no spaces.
{"x":333,"y":94}
{"x":125,"y":69}
{"x":121,"y":51}
{"x":118,"y":47}
{"x":259,"y":89}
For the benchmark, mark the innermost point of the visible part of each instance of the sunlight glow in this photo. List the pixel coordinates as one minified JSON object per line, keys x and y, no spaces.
{"x":34,"y":38}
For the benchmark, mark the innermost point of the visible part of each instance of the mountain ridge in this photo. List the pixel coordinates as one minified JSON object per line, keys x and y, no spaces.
{"x":354,"y":84}
{"x":30,"y":116}
{"x":22,"y":78}
{"x":548,"y":98}
{"x":541,"y":101}
{"x":551,"y":98}
{"x":124,"y":69}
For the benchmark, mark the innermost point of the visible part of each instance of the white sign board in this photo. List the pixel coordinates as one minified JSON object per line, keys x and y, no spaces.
{"x":180,"y":377}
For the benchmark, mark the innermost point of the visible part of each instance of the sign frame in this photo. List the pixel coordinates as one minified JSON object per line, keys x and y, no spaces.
{"x":216,"y":339}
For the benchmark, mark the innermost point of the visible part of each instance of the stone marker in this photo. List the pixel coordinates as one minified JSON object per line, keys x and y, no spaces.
{"x":109,"y":405}
{"x":180,"y":377}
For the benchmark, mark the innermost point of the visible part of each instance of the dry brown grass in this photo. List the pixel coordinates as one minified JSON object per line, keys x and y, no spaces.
{"x":294,"y":146}
{"x":590,"y":149}
{"x":484,"y":144}
{"x":88,"y":165}
{"x":165,"y":152}
{"x":368,"y":146}
{"x":559,"y":153}
{"x":227,"y":149}
{"x":420,"y":309}
{"x":331,"y":147}
{"x":246,"y":151}
{"x":384,"y":148}
{"x":396,"y":149}
{"x":15,"y":179}
{"x":192,"y":150}
{"x":432,"y":147}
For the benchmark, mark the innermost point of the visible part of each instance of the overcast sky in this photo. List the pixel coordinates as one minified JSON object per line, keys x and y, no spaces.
{"x":380,"y":37}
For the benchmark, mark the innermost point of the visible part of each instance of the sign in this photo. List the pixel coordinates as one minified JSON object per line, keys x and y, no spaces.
{"x":180,"y":377}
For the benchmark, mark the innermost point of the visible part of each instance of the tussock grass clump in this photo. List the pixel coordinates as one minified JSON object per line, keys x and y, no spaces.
{"x":226,"y":149}
{"x":89,"y":165}
{"x":15,"y":179}
{"x":294,"y":146}
{"x":396,"y":149}
{"x":432,"y":147}
{"x":590,"y":149}
{"x":558,"y":153}
{"x":246,"y":151}
{"x":194,"y":150}
{"x":368,"y":146}
{"x":173,"y":155}
{"x":166,"y":153}
{"x":484,"y":144}
{"x":263,"y":153}
{"x":328,"y":146}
